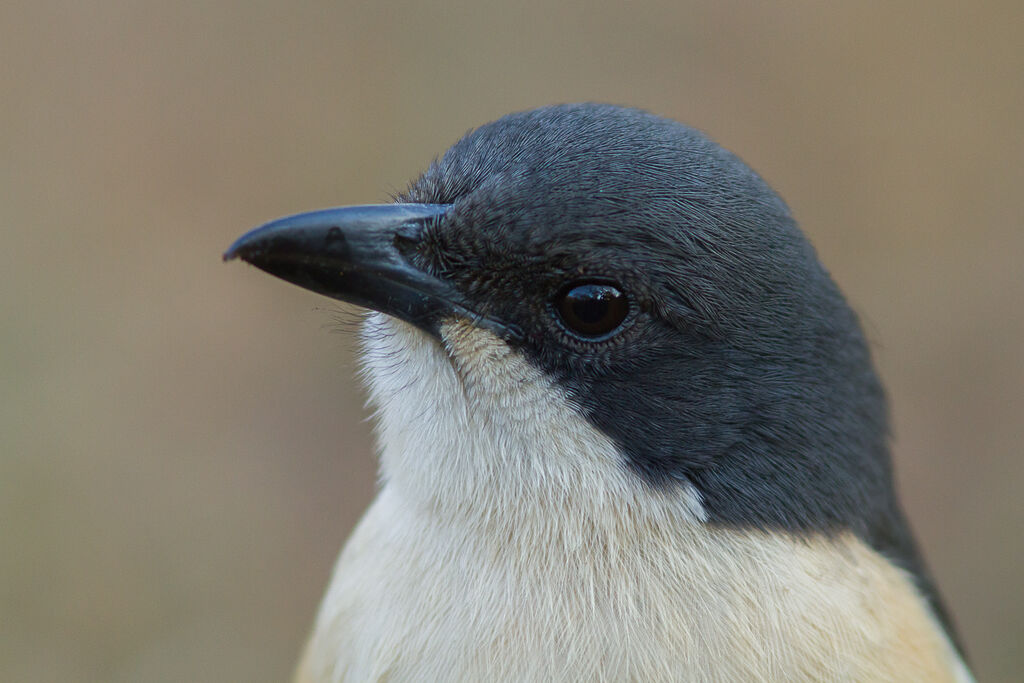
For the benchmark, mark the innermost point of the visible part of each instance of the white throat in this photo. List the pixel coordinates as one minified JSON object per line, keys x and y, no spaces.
{"x":470,"y":428}
{"x":510,"y":542}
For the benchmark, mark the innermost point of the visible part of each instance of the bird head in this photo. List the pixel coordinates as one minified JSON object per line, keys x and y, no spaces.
{"x":592,"y":301}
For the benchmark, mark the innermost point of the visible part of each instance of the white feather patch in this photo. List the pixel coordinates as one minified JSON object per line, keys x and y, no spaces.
{"x":509,"y":542}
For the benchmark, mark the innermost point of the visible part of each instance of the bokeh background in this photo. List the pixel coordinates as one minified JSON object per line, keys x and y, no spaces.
{"x":183,"y":447}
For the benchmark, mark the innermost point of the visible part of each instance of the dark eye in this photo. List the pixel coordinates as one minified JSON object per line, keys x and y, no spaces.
{"x":590,"y":309}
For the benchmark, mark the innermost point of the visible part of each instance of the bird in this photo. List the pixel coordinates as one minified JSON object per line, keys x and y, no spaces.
{"x":629,"y":429}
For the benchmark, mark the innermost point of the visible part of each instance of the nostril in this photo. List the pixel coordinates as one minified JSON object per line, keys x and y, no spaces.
{"x":334,"y":234}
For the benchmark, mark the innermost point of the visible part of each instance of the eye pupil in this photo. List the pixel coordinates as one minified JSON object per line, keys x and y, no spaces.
{"x":592,"y":309}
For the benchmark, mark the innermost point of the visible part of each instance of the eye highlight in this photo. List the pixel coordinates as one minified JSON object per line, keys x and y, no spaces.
{"x":591,"y":310}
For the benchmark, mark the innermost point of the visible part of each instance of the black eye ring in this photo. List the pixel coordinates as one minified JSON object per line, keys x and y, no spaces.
{"x":591,"y":310}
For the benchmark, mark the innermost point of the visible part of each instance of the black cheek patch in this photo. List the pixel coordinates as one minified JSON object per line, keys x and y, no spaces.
{"x":784,"y":455}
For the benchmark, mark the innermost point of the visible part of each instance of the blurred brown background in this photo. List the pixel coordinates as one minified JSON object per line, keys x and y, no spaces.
{"x":183,"y":447}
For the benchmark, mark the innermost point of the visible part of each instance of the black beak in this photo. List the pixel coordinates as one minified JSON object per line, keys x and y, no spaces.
{"x":355,"y":254}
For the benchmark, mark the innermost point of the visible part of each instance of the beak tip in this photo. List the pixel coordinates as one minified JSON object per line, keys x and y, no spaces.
{"x":237,"y":250}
